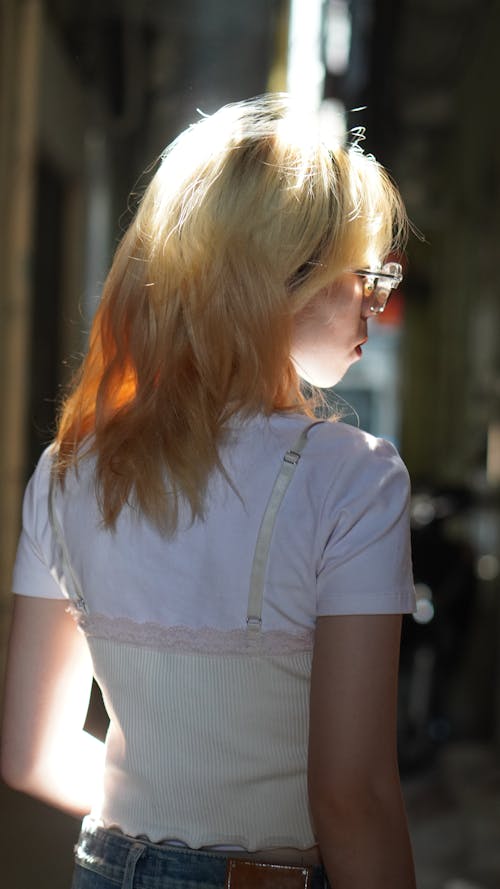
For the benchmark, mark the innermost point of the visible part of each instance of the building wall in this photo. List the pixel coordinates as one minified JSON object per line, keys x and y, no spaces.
{"x":41,"y":173}
{"x":452,"y":368}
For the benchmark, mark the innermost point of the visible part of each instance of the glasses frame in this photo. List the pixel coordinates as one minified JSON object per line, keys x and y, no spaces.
{"x":383,"y":281}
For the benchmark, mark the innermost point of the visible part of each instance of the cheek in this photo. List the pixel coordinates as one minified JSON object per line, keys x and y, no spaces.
{"x":319,"y":314}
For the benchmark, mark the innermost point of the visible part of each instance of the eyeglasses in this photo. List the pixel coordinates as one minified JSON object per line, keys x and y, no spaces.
{"x":378,"y":285}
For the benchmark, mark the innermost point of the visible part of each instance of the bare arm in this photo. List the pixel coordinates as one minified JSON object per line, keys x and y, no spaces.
{"x":44,"y":750}
{"x":354,"y":786}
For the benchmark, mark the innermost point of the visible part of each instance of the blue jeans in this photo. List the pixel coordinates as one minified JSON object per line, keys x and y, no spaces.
{"x":107,"y":859}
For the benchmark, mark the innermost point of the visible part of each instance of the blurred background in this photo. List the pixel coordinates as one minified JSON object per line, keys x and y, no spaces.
{"x":90,"y":93}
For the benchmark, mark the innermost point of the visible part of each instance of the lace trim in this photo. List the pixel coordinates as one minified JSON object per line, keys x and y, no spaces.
{"x":206,"y":640}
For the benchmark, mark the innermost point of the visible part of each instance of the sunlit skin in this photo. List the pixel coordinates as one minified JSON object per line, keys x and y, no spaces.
{"x":330,"y":332}
{"x":44,"y":748}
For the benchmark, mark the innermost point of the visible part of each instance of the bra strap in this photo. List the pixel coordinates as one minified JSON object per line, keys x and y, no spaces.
{"x":73,"y":585}
{"x":261,"y":554}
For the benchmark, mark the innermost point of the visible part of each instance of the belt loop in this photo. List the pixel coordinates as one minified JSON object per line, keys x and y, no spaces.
{"x":133,"y":856}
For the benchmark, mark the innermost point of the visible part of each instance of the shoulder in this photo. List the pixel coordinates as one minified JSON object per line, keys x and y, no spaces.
{"x":344,"y":450}
{"x":341,"y":455}
{"x":43,"y":467}
{"x":36,"y":497}
{"x":38,"y":486}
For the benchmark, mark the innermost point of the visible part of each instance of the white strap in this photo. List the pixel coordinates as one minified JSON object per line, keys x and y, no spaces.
{"x":261,"y":554}
{"x":257,"y":577}
{"x":74,"y":589}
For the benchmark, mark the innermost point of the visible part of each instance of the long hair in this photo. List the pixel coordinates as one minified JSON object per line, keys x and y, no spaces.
{"x":246,"y":218}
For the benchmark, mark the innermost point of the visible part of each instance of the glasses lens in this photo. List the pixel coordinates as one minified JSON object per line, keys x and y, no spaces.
{"x":385,"y":284}
{"x":377,"y":287}
{"x":381,"y":294}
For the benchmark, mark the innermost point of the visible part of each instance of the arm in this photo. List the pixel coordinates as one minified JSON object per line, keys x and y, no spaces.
{"x":44,"y":750}
{"x":354,"y":786}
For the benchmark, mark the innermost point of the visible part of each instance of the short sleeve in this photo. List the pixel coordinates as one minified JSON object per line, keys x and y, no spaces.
{"x":34,"y":568}
{"x":365,"y":566}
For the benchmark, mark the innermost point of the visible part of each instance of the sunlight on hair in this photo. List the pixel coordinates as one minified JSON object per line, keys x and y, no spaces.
{"x":299,"y":127}
{"x":332,"y":125}
{"x":298,"y":136}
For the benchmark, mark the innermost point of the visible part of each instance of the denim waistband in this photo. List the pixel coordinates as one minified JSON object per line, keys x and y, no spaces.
{"x":135,"y":863}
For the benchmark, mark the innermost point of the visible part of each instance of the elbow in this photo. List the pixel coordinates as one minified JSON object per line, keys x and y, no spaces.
{"x":352,"y":803}
{"x":14,"y":777}
{"x":339,"y":808}
{"x":22,"y":780}
{"x":15,"y":772}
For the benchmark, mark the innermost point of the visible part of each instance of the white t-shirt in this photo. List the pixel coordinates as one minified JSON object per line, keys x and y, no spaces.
{"x":208,"y":735}
{"x":340,"y":543}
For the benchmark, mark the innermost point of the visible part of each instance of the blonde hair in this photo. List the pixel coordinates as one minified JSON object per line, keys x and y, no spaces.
{"x":247,"y":217}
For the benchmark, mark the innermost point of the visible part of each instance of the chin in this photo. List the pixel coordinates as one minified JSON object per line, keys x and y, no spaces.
{"x":322,"y":377}
{"x":323,"y":381}
{"x":331,"y":383}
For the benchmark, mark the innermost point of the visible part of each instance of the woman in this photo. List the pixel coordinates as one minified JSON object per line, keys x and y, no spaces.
{"x":238,"y":568}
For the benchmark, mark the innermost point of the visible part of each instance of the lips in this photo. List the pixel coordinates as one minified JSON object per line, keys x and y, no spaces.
{"x":358,"y":349}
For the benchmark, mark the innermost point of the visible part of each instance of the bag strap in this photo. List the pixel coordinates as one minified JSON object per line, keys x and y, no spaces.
{"x":261,"y":554}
